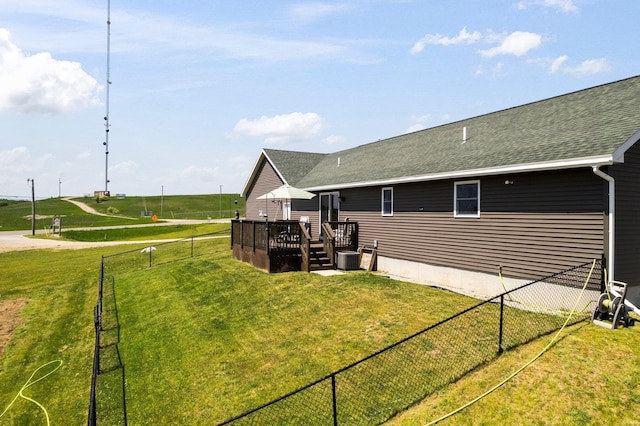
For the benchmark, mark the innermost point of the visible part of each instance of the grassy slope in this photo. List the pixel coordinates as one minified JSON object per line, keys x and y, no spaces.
{"x":235,"y":337}
{"x":17,"y":216}
{"x":214,"y":206}
{"x":61,"y":288}
{"x":591,"y":376}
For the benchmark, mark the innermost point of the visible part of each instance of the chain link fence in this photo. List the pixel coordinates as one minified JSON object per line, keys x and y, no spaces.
{"x":107,"y":376}
{"x":377,"y":387}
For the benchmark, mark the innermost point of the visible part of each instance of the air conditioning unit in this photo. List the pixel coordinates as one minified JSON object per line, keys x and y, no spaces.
{"x":348,"y":260}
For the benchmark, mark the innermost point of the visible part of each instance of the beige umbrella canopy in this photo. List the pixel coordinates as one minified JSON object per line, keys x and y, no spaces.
{"x":286,"y":192}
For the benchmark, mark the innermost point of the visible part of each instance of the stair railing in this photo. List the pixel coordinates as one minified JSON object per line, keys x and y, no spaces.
{"x":329,"y":240}
{"x":305,"y":248}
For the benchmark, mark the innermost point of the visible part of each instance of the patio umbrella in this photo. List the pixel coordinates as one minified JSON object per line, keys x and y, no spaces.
{"x":286,"y":192}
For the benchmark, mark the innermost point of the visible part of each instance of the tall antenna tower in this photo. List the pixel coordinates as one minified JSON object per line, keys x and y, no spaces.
{"x":106,"y":116}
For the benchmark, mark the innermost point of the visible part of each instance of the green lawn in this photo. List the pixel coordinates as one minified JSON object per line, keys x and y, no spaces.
{"x":209,"y":338}
{"x":56,"y":324}
{"x":16,"y":215}
{"x":591,"y":376}
{"x":203,"y":206}
{"x":206,"y":338}
{"x":146,"y":233}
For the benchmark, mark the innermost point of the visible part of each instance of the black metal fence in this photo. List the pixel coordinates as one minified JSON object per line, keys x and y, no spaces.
{"x":372,"y":390}
{"x":107,"y":330}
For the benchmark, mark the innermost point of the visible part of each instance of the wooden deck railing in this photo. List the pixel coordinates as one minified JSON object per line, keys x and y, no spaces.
{"x":285,"y":245}
{"x":346,"y":235}
{"x":305,"y":248}
{"x":329,"y":242}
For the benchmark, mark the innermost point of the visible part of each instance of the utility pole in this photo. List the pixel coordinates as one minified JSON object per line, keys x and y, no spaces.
{"x":33,"y":207}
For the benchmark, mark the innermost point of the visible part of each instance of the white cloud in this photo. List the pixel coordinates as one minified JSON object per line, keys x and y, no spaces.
{"x":19,"y":160}
{"x":334,"y":139}
{"x":83,"y":155}
{"x":463,"y":37}
{"x":567,"y":6}
{"x":562,"y":5}
{"x":587,"y":67}
{"x":282,"y":129}
{"x":517,"y":43}
{"x":41,"y":84}
{"x":557,"y":63}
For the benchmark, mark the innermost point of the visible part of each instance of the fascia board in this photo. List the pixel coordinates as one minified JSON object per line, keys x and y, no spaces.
{"x":520,"y":168}
{"x":618,"y":155}
{"x":254,"y":172}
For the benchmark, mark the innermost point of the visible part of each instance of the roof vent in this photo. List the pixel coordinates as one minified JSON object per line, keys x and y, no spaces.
{"x":464,"y":134}
{"x":338,"y":161}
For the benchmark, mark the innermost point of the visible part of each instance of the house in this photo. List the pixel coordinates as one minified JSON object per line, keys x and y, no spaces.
{"x":534,"y":189}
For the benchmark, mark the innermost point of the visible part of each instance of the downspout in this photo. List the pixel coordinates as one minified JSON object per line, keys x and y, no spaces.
{"x":612,"y":221}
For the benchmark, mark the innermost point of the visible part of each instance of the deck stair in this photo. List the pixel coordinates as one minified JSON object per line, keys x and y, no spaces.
{"x":318,"y":258}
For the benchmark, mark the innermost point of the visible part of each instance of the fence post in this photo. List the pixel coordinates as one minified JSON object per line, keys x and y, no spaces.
{"x":100,"y":287}
{"x":254,"y":237}
{"x":500,"y":350}
{"x":335,"y":402}
{"x":150,"y":256}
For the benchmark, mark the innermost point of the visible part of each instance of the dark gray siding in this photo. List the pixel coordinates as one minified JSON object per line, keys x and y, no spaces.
{"x":541,"y":224}
{"x":627,"y":250}
{"x":267,"y":179}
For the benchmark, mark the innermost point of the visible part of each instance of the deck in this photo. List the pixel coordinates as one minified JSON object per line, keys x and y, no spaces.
{"x":286,"y":245}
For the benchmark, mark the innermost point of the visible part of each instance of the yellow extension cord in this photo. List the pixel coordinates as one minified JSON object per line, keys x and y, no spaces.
{"x":32,"y":382}
{"x":555,"y":337}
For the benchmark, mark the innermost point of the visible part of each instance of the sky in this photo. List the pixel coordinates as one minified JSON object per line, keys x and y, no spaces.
{"x":199,"y":87}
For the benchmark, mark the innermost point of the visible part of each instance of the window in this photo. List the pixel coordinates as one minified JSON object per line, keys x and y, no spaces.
{"x":467,"y":199}
{"x":387,"y":201}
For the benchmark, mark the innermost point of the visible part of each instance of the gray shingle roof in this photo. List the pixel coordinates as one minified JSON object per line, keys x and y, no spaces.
{"x":293,"y":165}
{"x":589,"y":123}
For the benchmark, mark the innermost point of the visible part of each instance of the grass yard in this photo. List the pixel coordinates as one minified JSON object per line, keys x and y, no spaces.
{"x":591,"y":376}
{"x":206,"y":339}
{"x":158,"y":232}
{"x":59,"y":289}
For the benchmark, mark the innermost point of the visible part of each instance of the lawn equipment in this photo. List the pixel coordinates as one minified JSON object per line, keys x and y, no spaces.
{"x":610,"y":312}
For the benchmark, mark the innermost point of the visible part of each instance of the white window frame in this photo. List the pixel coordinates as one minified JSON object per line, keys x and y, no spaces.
{"x":455,"y":199}
{"x":390,"y":213}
